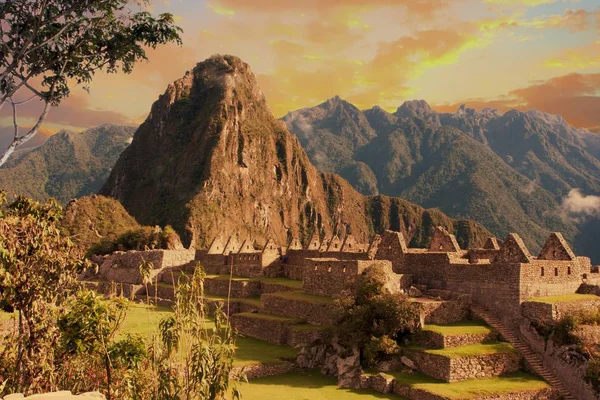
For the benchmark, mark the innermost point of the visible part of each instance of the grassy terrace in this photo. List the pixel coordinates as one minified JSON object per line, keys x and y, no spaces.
{"x":460,"y":328}
{"x":303,"y":296}
{"x":143,"y":320}
{"x":271,"y":317}
{"x":473,"y":388}
{"x":564,"y":298}
{"x":305,"y":385}
{"x":253,"y":301}
{"x":275,"y":281}
{"x":479,"y":349}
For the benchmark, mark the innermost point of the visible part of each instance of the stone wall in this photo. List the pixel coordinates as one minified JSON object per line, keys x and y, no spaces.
{"x":257,"y":371}
{"x":546,"y":312}
{"x":270,"y":330}
{"x":443,"y":312}
{"x":244,"y":288}
{"x":436,"y":340}
{"x":550,"y":278}
{"x":420,"y":394}
{"x":570,"y":376}
{"x":299,"y":336}
{"x":463,"y":368}
{"x":124,"y":266}
{"x":313,"y":312}
{"x":329,"y":276}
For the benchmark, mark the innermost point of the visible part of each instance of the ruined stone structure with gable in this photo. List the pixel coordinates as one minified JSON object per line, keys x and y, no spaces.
{"x":284,"y":294}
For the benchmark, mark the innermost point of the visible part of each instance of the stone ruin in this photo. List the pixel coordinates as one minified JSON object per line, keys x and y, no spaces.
{"x":284,"y":295}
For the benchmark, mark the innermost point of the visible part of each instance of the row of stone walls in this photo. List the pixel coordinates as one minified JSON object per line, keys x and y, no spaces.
{"x":299,"y":257}
{"x":463,"y":368}
{"x":270,"y":330}
{"x":436,"y":340}
{"x":299,"y":336}
{"x":220,"y":287}
{"x":546,"y":312}
{"x":313,"y":312}
{"x":551,"y":277}
{"x":329,"y":277}
{"x":443,"y":312}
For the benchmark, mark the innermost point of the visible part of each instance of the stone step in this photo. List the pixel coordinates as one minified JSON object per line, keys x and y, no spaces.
{"x":465,"y":362}
{"x":268,"y":327}
{"x":316,"y":310}
{"x":461,"y":333}
{"x":530,"y":356}
{"x":415,"y":386}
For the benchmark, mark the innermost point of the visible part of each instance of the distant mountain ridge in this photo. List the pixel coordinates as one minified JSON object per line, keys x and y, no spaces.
{"x":68,"y":165}
{"x":508,"y":171}
{"x":212,"y":160}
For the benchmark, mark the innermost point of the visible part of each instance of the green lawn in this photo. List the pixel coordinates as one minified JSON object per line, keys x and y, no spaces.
{"x":303,"y":296}
{"x":253,"y":301}
{"x":564,"y":298}
{"x":309,"y":385}
{"x":471,"y":350}
{"x":460,"y":328}
{"x":143,"y":320}
{"x":271,"y":317}
{"x":275,"y":281}
{"x":518,"y":381}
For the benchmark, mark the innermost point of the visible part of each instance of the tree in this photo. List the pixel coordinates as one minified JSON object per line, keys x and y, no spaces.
{"x":374,"y":320}
{"x":48,"y":46}
{"x":38,"y":272}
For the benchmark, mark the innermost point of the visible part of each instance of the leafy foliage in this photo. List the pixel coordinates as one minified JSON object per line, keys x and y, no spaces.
{"x":38,"y":272}
{"x":138,"y":239}
{"x":373,"y":320}
{"x":64,"y":42}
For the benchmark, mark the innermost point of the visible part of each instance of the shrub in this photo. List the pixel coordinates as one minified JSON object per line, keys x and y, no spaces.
{"x":592,"y":373}
{"x":373,"y":320}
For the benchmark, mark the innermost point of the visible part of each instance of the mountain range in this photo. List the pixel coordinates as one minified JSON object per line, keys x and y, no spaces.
{"x":68,"y":165}
{"x":212,"y":160}
{"x":509,"y":171}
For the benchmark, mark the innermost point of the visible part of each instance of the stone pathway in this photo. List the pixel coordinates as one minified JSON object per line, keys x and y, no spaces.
{"x":534,"y":361}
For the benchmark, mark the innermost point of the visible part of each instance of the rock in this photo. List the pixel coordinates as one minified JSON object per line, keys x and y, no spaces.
{"x":349,"y":371}
{"x":408,"y":362}
{"x":414,"y":292}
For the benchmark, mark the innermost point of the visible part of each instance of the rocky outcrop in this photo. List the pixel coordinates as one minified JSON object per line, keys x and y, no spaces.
{"x":211,"y":159}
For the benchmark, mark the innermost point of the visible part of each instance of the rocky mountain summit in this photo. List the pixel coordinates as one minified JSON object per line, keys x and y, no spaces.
{"x":67,"y":165}
{"x":510,"y":171}
{"x":211,"y":159}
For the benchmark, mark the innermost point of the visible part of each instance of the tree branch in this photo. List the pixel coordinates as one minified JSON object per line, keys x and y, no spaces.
{"x":19,"y":141}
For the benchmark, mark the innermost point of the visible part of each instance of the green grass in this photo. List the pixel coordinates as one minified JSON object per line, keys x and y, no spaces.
{"x":143,"y":320}
{"x":473,"y":388}
{"x":303,"y":296}
{"x":275,"y":281}
{"x":564,"y":298}
{"x":4,"y":316}
{"x":310,"y":385}
{"x":270,"y":317}
{"x":253,"y":301}
{"x":478,"y":349}
{"x":460,"y":328}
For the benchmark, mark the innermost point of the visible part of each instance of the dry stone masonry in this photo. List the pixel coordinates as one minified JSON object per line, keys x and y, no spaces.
{"x":284,"y":295}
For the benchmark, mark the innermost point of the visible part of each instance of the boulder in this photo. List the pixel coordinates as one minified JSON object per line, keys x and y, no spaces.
{"x":349,"y":370}
{"x":414,"y":292}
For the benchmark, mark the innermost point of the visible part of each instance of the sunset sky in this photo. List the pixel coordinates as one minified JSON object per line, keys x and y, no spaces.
{"x":542,"y":54}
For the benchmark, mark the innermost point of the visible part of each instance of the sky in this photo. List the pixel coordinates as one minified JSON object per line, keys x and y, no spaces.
{"x":524,"y":54}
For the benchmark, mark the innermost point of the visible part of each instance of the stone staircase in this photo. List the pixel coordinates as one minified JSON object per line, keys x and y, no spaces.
{"x":534,"y":361}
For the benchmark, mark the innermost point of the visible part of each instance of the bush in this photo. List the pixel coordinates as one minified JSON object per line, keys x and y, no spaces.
{"x":138,"y":239}
{"x":592,"y":373}
{"x":373,"y":320}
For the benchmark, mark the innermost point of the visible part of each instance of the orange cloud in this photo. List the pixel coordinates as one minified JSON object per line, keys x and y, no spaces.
{"x":299,"y":82}
{"x":578,"y":58}
{"x":573,"y":96}
{"x":573,"y":20}
{"x":74,"y":111}
{"x":415,"y":7}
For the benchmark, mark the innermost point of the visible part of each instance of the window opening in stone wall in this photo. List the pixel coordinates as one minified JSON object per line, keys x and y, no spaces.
{"x":329,"y":269}
{"x":542,"y":274}
{"x":555,"y":271}
{"x":568,"y":270}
